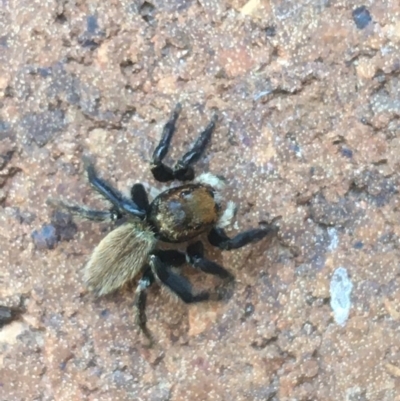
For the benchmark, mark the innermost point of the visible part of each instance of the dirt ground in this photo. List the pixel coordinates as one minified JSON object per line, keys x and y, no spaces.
{"x":307,"y":96}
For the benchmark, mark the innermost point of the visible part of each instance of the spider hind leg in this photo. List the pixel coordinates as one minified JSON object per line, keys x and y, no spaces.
{"x":217,"y":237}
{"x":179,"y":285}
{"x":195,"y":254}
{"x":144,"y":284}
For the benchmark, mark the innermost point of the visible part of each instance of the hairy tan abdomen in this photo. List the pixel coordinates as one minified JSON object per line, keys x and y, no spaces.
{"x":119,"y":257}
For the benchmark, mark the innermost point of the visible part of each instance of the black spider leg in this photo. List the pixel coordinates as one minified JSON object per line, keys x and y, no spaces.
{"x":120,"y":202}
{"x":218,"y":237}
{"x":145,"y":282}
{"x":160,"y":260}
{"x":195,"y":255}
{"x":183,"y":170}
{"x":170,"y":257}
{"x":160,"y":171}
{"x":85,"y":212}
{"x":177,"y":284}
{"x":139,"y":197}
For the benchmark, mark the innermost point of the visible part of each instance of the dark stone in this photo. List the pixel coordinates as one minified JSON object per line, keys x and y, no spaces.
{"x":89,"y":43}
{"x":8,"y":314}
{"x":358,"y":245}
{"x":346,"y":152}
{"x":91,"y":24}
{"x":4,"y":126}
{"x":270,"y":31}
{"x":64,"y":85}
{"x":147,"y":11}
{"x":5,"y":158}
{"x":105,"y":313}
{"x":90,"y":38}
{"x":248,"y":310}
{"x":374,"y":187}
{"x":44,"y":72}
{"x":24,"y":217}
{"x":45,"y":238}
{"x":361,"y":17}
{"x":41,"y":127}
{"x":328,"y":214}
{"x":65,"y":227}
{"x":4,"y":41}
{"x":5,"y":130}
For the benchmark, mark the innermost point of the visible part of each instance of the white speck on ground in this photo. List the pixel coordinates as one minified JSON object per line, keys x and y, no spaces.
{"x":334,"y":240}
{"x":340,"y":290}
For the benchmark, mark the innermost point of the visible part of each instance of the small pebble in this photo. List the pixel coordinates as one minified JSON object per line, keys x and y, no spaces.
{"x":45,"y":238}
{"x":340,"y":290}
{"x":361,"y":17}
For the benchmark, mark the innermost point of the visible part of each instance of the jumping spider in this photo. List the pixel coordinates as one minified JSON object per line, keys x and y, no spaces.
{"x":176,"y":215}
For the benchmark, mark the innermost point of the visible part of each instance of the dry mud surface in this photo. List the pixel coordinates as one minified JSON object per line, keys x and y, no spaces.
{"x":307,"y":95}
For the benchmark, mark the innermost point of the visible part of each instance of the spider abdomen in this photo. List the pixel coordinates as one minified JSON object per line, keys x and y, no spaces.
{"x":119,"y":257}
{"x":184,"y":212}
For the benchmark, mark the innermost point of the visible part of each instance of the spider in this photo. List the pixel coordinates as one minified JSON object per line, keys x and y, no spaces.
{"x":177,"y":215}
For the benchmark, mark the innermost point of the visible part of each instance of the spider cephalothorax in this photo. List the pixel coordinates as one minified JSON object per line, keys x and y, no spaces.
{"x":176,"y":215}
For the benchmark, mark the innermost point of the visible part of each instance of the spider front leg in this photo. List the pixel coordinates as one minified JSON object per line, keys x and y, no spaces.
{"x":183,"y":170}
{"x":120,"y":202}
{"x":139,"y":197}
{"x":160,"y":171}
{"x":84,"y":212}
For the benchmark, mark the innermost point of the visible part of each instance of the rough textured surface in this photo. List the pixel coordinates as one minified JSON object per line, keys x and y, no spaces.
{"x":308,"y":99}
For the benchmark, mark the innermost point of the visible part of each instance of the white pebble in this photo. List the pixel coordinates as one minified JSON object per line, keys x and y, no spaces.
{"x":340,"y":290}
